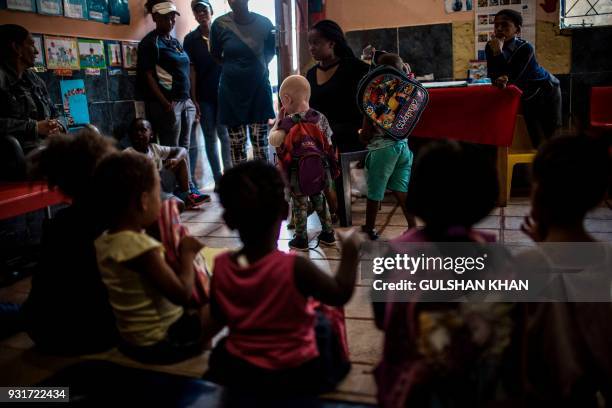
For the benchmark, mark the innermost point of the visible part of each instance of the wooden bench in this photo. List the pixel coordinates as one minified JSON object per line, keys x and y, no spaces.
{"x":17,"y":198}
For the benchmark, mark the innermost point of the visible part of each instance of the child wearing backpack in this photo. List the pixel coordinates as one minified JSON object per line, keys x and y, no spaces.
{"x":388,"y":162}
{"x":303,"y":142}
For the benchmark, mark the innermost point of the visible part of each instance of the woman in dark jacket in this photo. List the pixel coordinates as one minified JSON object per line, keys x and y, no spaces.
{"x":27,"y":115}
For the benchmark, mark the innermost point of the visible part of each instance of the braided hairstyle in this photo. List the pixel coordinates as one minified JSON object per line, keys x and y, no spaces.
{"x":253,"y":196}
{"x":331,"y":31}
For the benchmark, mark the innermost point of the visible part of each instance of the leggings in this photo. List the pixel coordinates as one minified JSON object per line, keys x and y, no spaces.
{"x":258,"y":132}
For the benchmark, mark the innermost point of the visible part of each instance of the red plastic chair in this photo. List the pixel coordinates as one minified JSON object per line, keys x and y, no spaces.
{"x":601,"y":107}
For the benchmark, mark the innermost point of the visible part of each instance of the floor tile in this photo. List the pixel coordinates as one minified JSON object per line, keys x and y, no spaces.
{"x":517,"y":210}
{"x":602,"y":226}
{"x":359,"y":306}
{"x":513,"y":223}
{"x":517,"y":237}
{"x":365,"y":341}
{"x":489,"y":222}
{"x":602,"y":212}
{"x":202,"y":229}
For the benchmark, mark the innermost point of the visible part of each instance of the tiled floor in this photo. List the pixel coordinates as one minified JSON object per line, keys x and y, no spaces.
{"x":21,"y":365}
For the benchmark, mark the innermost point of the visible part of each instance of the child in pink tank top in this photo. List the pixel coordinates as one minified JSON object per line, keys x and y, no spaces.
{"x":277,"y":340}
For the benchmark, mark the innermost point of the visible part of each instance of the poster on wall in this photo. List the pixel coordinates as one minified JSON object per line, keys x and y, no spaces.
{"x":130,"y":54}
{"x":50,"y":7}
{"x":75,"y":9}
{"x":61,"y":53}
{"x":21,"y":5}
{"x":39,"y":60}
{"x":113,"y":53}
{"x":119,"y":11}
{"x":98,"y":10}
{"x":74,"y":100}
{"x":91,"y":54}
{"x":485,"y":16}
{"x":454,"y":6}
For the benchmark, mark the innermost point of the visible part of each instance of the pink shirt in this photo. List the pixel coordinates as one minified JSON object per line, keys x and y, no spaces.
{"x":271,"y":324}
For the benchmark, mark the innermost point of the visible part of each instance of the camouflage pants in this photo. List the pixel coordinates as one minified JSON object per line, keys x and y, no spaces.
{"x":299,"y":204}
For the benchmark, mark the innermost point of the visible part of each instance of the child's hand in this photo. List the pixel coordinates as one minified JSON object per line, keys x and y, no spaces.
{"x":190,"y":246}
{"x":501,"y":81}
{"x":531,"y":229}
{"x":171,"y":163}
{"x":281,"y":115}
{"x":350,"y":240}
{"x":496,"y":45}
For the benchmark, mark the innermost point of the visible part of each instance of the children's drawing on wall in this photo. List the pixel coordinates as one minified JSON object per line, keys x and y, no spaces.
{"x":130,"y":54}
{"x":453,"y":6}
{"x":98,"y":10}
{"x":92,"y":53}
{"x":39,"y":60}
{"x":119,"y":11}
{"x":61,"y":53}
{"x":50,"y":7}
{"x":75,"y":9}
{"x":75,"y":102}
{"x":21,"y":5}
{"x":113,"y":52}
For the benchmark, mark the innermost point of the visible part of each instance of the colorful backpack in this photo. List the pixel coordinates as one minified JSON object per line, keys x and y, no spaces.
{"x":391,"y":100}
{"x":306,"y":155}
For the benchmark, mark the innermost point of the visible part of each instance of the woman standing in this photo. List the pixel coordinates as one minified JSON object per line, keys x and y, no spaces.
{"x":205,"y":75}
{"x":243,"y":42}
{"x":334,"y":83}
{"x":163,"y":68}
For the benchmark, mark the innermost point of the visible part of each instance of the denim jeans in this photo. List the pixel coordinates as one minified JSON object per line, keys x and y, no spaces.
{"x":212,"y":131}
{"x":175,"y":128}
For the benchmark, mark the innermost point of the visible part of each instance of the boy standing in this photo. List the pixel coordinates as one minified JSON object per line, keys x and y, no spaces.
{"x":303,"y":139}
{"x":387,"y":164}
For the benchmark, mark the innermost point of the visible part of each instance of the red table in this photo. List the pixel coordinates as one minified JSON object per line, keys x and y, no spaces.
{"x":18,"y":198}
{"x":476,"y":114}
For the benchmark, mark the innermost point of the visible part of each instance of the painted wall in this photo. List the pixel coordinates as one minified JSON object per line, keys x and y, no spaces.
{"x":553,"y":49}
{"x":367,"y":14}
{"x":139,"y":26}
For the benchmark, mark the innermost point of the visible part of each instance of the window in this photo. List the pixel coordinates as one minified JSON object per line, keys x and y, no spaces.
{"x":585,"y":13}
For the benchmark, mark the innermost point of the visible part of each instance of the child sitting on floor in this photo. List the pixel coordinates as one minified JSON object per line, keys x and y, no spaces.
{"x":170,"y":162}
{"x":387,"y":164}
{"x":147,"y":296}
{"x":571,"y":176}
{"x":303,"y":139}
{"x":277,"y":342}
{"x":434,"y":353}
{"x":66,"y":285}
